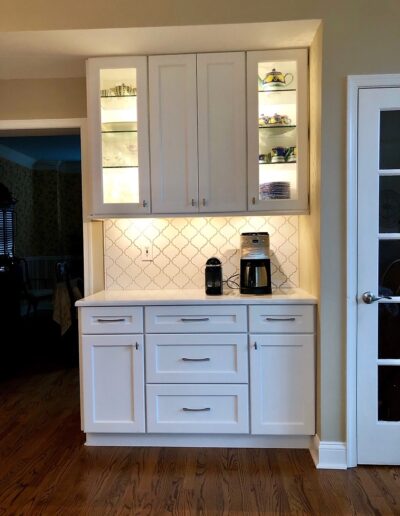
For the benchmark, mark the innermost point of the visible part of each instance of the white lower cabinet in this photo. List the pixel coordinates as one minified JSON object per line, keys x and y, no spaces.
{"x":209,"y":369}
{"x":113,"y":383}
{"x":282,"y":379}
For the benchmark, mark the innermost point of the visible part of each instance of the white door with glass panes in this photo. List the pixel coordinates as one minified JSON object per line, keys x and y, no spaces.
{"x":277,"y":129}
{"x":119,"y":141}
{"x":378,"y":331}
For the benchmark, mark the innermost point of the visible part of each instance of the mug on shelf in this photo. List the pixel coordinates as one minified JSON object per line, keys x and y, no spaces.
{"x":264,"y":158}
{"x":291,"y":154}
{"x":278,"y":154}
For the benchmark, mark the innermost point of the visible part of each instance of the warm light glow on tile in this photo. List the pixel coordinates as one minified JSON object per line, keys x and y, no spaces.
{"x":182,"y":245}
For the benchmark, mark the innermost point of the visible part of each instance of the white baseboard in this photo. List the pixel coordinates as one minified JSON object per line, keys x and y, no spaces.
{"x":195,"y":441}
{"x":329,"y":454}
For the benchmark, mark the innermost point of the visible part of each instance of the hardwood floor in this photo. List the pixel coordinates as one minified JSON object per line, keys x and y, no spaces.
{"x":46,"y":469}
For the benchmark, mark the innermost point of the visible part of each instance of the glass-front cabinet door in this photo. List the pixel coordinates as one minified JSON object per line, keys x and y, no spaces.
{"x":119,"y":142}
{"x":277,"y":90}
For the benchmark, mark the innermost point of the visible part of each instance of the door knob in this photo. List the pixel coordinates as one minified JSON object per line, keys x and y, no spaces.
{"x":369,"y":298}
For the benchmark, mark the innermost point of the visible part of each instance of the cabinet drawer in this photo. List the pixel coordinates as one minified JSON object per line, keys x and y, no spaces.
{"x":195,"y":319}
{"x":281,"y":319}
{"x":200,"y":358}
{"x":197,"y":409}
{"x":111,"y":319}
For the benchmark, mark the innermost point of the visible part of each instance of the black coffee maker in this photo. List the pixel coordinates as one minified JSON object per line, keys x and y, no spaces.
{"x":255,"y":265}
{"x":213,"y":277}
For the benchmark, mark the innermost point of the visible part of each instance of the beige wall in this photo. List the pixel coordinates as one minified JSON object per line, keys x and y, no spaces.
{"x":359,"y":37}
{"x":42,"y":98}
{"x":309,"y":225}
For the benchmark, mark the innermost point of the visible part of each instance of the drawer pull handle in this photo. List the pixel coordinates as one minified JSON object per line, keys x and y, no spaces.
{"x":205,"y":409}
{"x":196,"y":359}
{"x":199,"y":319}
{"x":284,"y":319}
{"x":122,"y":319}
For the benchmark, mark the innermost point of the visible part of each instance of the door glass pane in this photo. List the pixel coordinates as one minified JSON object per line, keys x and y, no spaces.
{"x":389,"y":204}
{"x":389,"y":148}
{"x":119,"y":126}
{"x":389,"y":268}
{"x":388,"y":393}
{"x":389,"y":330}
{"x":277,"y":130}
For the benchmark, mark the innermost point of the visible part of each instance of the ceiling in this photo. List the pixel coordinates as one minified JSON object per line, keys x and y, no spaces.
{"x":62,"y":53}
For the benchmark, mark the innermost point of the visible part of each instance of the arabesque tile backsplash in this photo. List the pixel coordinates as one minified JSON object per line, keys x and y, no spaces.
{"x":181,"y":246}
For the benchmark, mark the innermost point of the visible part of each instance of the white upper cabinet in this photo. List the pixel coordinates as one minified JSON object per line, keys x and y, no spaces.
{"x":210,"y":148}
{"x":198,"y":133}
{"x":222,"y":131}
{"x":277,"y":131}
{"x":119,"y":142}
{"x":173,"y":133}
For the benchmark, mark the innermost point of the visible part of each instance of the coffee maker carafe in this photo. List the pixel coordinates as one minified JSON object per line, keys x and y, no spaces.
{"x":255,"y":265}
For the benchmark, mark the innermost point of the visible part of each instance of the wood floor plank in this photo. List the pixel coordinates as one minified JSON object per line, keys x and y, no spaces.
{"x":45,"y":469}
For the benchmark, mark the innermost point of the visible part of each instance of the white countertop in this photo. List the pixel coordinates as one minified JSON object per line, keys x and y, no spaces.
{"x":195,"y":296}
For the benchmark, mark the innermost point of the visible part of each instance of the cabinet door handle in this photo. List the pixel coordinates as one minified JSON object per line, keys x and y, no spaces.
{"x":199,"y":319}
{"x":144,"y":203}
{"x":204,"y":202}
{"x":196,"y":359}
{"x":285,"y":319}
{"x":137,"y":345}
{"x":193,"y":202}
{"x":205,"y":409}
{"x":253,"y":201}
{"x":120,"y":319}
{"x":255,"y":345}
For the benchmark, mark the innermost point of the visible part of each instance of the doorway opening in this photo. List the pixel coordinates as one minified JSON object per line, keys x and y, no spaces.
{"x":42,"y":271}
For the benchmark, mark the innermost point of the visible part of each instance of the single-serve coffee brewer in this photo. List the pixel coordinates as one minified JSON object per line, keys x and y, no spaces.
{"x":255,"y":264}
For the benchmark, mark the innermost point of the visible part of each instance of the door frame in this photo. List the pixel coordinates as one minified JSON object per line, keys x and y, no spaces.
{"x":354,"y":84}
{"x":92,"y":231}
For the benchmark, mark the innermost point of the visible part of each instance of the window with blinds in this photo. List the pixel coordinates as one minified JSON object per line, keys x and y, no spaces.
{"x":7,"y":233}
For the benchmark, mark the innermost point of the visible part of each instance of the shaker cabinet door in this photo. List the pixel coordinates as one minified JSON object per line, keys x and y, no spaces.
{"x":222,"y":131}
{"x":113,"y":383}
{"x":173,"y":133}
{"x":282,"y":384}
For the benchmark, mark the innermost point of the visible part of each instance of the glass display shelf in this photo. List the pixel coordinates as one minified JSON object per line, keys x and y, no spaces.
{"x":116,"y":96}
{"x":277,"y":163}
{"x":122,"y":166}
{"x":276,"y":126}
{"x":278,"y":129}
{"x":280,"y":90}
{"x":120,"y":131}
